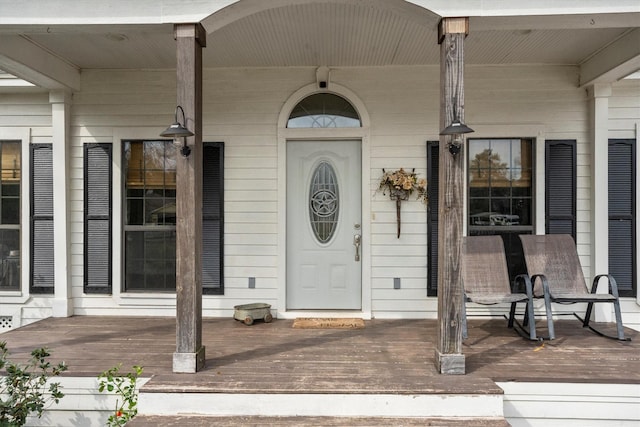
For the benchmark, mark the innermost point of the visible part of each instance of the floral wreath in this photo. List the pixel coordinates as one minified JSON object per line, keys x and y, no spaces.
{"x":401,"y":184}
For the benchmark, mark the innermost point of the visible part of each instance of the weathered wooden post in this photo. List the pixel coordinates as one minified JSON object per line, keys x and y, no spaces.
{"x":189,"y":356}
{"x":448,"y":355}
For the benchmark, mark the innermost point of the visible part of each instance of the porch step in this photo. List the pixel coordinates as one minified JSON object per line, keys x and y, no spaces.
{"x":437,"y":397}
{"x":322,"y":405}
{"x":202,"y":421}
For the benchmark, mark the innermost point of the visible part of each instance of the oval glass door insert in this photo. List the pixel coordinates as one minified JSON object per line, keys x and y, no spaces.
{"x":324,"y":202}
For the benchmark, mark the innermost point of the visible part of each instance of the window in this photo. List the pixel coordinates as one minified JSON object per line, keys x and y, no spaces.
{"x":10,"y":164}
{"x":150,"y":215}
{"x":324,"y":110}
{"x":499,"y":182}
{"x":500,"y":193}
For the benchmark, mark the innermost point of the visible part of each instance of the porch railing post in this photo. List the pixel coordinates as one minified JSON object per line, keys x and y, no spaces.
{"x":190,"y":354}
{"x":448,"y":354}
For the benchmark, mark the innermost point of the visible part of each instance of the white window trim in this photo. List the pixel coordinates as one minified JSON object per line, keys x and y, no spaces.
{"x":24,"y":136}
{"x":155,"y":299}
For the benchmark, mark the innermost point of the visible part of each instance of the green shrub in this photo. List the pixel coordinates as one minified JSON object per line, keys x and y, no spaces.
{"x":23,"y":390}
{"x":125,"y":387}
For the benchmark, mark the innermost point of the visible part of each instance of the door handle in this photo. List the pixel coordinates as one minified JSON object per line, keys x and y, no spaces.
{"x":356,"y":242}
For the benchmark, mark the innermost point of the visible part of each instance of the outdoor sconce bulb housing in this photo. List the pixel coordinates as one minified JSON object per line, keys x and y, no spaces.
{"x":455,"y":129}
{"x":176,"y":131}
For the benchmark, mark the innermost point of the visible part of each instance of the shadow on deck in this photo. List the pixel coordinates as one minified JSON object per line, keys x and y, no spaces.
{"x":388,"y":357}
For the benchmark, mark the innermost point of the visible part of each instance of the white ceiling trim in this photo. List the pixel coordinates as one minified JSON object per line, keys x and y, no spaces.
{"x":555,"y":22}
{"x":29,"y":62}
{"x":616,"y":61}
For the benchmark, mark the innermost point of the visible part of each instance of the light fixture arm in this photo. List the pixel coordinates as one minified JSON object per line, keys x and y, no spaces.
{"x":455,"y":130}
{"x":178,"y":130}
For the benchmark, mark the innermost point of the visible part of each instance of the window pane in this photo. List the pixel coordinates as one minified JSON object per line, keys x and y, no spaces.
{"x":500,"y":206}
{"x":522,"y":208}
{"x":10,"y":212}
{"x":479,"y":212}
{"x":161,"y":211}
{"x":479,"y":191}
{"x":10,"y":162}
{"x":501,"y":191}
{"x":324,"y":110}
{"x":501,"y":152}
{"x":478,"y":150}
{"x":10,"y":189}
{"x":9,"y":259}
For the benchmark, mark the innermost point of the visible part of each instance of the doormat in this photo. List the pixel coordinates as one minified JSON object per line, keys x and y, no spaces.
{"x":328,"y":323}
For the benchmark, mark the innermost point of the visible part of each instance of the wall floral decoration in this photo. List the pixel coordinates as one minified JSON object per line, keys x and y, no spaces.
{"x":400,"y":185}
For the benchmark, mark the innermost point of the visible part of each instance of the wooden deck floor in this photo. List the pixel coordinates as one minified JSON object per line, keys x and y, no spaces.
{"x":394,"y":356}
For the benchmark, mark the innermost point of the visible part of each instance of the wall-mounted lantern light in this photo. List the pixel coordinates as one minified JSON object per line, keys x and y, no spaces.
{"x":456,"y":129}
{"x":177,"y":131}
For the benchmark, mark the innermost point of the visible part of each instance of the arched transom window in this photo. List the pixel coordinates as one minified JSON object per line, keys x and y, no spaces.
{"x":324,"y":110}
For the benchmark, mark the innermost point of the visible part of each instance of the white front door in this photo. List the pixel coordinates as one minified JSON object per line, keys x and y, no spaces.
{"x":323,"y":225}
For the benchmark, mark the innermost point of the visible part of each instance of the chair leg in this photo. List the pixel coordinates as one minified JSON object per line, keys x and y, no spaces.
{"x":587,"y":315}
{"x":464,"y":321}
{"x":619,"y":326}
{"x":547,"y":306}
{"x":512,"y":315}
{"x":530,"y":319}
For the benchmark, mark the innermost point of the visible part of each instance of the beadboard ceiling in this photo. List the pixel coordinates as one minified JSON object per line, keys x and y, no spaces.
{"x":331,"y":34}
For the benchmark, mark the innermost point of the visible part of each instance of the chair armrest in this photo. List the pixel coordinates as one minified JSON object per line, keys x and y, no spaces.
{"x":522,"y":279}
{"x":545,"y":284}
{"x":613,"y":285}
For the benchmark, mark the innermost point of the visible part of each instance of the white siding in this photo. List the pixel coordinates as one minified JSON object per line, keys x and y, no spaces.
{"x":624,"y":109}
{"x":570,"y":404}
{"x":241,"y":109}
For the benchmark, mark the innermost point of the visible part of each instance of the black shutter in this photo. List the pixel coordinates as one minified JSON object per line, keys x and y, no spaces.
{"x":212,"y":218}
{"x":97,"y":218}
{"x":560,"y":187}
{"x":41,"y":215}
{"x":433,"y":183}
{"x":622,"y":202}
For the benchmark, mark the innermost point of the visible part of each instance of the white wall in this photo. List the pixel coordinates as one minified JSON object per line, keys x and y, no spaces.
{"x":241,"y":108}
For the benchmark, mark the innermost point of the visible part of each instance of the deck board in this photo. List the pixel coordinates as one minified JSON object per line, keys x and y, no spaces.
{"x":394,"y":356}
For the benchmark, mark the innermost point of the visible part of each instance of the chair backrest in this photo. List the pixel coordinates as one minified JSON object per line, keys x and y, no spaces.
{"x":555,"y":256}
{"x":484,"y":266}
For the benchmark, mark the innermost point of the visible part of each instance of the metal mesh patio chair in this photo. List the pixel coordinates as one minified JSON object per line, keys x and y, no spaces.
{"x":486,"y":281}
{"x":553,"y":264}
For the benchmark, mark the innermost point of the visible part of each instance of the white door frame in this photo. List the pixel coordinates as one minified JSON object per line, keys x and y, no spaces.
{"x":362,"y":134}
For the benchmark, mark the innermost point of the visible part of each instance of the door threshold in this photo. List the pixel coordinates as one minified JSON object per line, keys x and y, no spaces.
{"x":325,"y":314}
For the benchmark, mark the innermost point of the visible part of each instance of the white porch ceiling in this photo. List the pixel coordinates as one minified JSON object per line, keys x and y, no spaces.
{"x":326,"y":33}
